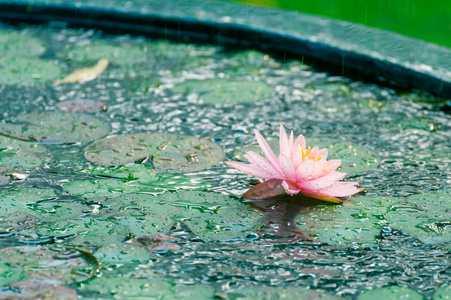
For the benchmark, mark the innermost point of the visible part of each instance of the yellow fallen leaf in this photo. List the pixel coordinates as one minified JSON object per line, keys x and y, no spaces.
{"x":85,"y":74}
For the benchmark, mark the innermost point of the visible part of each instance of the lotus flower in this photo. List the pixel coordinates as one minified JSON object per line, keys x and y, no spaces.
{"x":298,"y":169}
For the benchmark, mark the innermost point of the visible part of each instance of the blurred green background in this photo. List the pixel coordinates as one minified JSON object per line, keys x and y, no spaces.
{"x":428,"y":20}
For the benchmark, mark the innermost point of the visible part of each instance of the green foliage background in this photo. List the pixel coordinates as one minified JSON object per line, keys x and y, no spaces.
{"x":429,"y":20}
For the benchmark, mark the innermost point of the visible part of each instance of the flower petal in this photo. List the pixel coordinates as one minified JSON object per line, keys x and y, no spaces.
{"x":296,"y":151}
{"x":258,"y":160}
{"x":322,"y":183}
{"x":343,"y":189}
{"x":290,"y":189}
{"x":284,"y":143}
{"x":269,"y":154}
{"x":249,"y":169}
{"x":287,"y":167}
{"x":305,"y":171}
{"x":331,"y":166}
{"x":266,"y":189}
{"x":319,"y":167}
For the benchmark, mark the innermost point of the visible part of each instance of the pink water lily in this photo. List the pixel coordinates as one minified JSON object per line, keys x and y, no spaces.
{"x":297,"y":169}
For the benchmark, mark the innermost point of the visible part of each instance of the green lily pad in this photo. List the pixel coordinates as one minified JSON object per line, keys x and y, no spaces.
{"x":28,"y":71}
{"x":121,"y":253}
{"x":417,"y":123}
{"x":56,"y":127}
{"x":20,"y":157}
{"x":17,"y":221}
{"x":225,"y":91}
{"x":146,"y":288}
{"x":13,"y":44}
{"x":42,"y":263}
{"x":10,"y":272}
{"x":359,"y":221}
{"x":122,"y":55}
{"x":171,"y":153}
{"x":391,"y":292}
{"x":356,"y":222}
{"x":128,"y":179}
{"x":17,"y":200}
{"x":36,"y":289}
{"x":57,"y":210}
{"x":88,"y":231}
{"x":355,"y":159}
{"x":426,"y":217}
{"x":276,"y":293}
{"x":211,"y":216}
{"x":444,"y":292}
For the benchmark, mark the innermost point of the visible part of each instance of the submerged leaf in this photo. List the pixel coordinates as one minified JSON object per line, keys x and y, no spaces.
{"x":81,"y":106}
{"x":28,"y":71}
{"x":85,"y":74}
{"x":14,"y":44}
{"x":171,"y":153}
{"x":266,"y":189}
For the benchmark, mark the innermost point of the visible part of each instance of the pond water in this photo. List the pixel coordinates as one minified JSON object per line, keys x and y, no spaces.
{"x":154,"y":211}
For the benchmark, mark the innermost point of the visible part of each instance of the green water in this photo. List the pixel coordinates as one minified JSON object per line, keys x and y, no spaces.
{"x":426,"y":20}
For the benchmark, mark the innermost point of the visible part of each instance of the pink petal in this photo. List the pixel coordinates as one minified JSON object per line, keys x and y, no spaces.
{"x":342,"y":189}
{"x":290,"y":189}
{"x":269,"y":154}
{"x":266,"y":189}
{"x":331,"y":166}
{"x":314,"y":152}
{"x":249,"y":169}
{"x":322,"y":183}
{"x":305,"y":171}
{"x":258,"y":160}
{"x":287,"y":167}
{"x":319,"y":167}
{"x":323,"y":153}
{"x":296,"y":153}
{"x":290,"y":141}
{"x":284,"y":144}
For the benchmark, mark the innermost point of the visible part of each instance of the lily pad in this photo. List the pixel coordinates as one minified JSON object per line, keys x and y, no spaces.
{"x":13,"y":44}
{"x":225,"y":91}
{"x":391,"y":292}
{"x":10,"y":272}
{"x":442,"y":293}
{"x":122,"y":253}
{"x":122,"y":55}
{"x":27,"y":71}
{"x":128,"y":179}
{"x":211,"y":216}
{"x":426,"y":217}
{"x":56,"y":127}
{"x":276,"y":293}
{"x":81,"y":106}
{"x":20,"y":157}
{"x":170,"y":153}
{"x":359,"y":221}
{"x":17,"y":200}
{"x":355,"y":159}
{"x":88,"y":231}
{"x":17,"y":221}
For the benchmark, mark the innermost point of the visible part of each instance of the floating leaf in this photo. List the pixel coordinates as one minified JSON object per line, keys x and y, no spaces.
{"x":211,"y":216}
{"x":122,"y":253}
{"x":444,"y":292}
{"x":85,"y":74}
{"x":56,"y":127}
{"x":88,"y":231}
{"x":391,"y":292}
{"x":122,"y":55}
{"x":276,"y":293}
{"x":17,"y":221}
{"x":42,"y":263}
{"x":81,"y":106}
{"x":36,"y":289}
{"x":27,"y":71}
{"x":426,"y":217}
{"x":13,"y":44}
{"x":225,"y":91}
{"x":20,"y":157}
{"x":359,"y":221}
{"x":146,"y":288}
{"x":355,"y":159}
{"x":10,"y":272}
{"x":16,"y":200}
{"x":171,"y":153}
{"x":135,"y":177}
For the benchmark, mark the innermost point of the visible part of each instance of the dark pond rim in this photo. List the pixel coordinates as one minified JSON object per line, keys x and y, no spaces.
{"x":349,"y":49}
